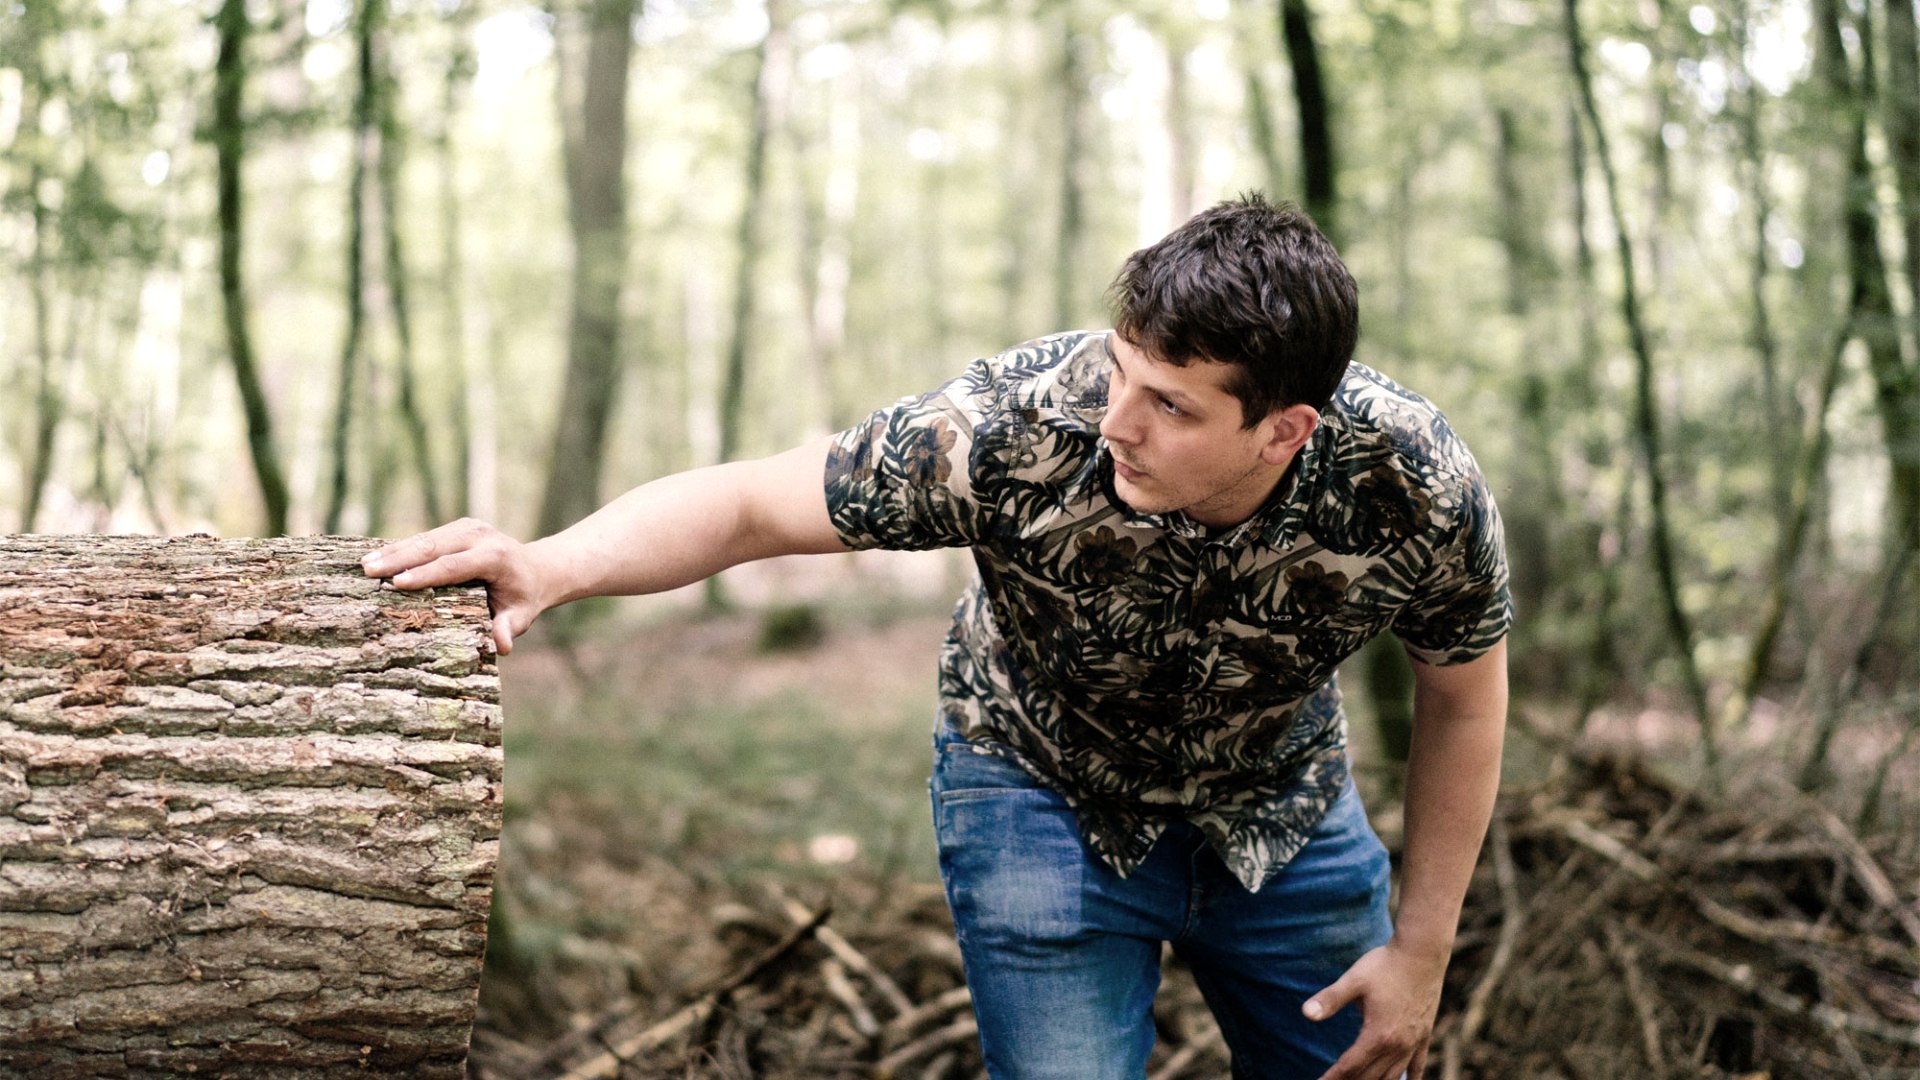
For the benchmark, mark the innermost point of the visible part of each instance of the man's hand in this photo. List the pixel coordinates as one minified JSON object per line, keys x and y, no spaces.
{"x":469,"y":550}
{"x":1399,"y":991}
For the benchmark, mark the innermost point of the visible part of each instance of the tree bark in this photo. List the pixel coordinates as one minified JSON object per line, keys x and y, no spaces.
{"x":596,"y":146}
{"x":1778,"y":414}
{"x":826,"y":225}
{"x":229,"y":138}
{"x":249,"y":811}
{"x":1870,"y":303}
{"x":1646,"y":411}
{"x":1896,"y":382}
{"x":767,"y":97}
{"x":399,"y":290}
{"x":365,"y":105}
{"x":461,"y":65}
{"x":1316,"y":136}
{"x":1073,"y":142}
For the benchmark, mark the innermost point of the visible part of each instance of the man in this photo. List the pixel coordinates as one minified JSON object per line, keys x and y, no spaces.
{"x":1181,"y":526}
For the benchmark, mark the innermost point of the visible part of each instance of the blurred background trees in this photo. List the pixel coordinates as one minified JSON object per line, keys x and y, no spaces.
{"x":360,"y":265}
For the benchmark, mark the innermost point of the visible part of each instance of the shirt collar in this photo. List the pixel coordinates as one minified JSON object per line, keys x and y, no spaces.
{"x":1276,"y":522}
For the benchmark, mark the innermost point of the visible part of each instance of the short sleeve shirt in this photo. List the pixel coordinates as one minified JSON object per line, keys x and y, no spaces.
{"x":1143,"y":666}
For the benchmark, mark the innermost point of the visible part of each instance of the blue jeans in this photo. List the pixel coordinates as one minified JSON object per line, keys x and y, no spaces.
{"x":1063,"y":955}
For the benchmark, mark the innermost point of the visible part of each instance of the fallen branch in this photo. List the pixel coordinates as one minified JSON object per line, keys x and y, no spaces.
{"x":1866,"y":870}
{"x":1512,"y":922}
{"x":959,"y":1031}
{"x":855,"y":960}
{"x":1740,"y":977}
{"x":607,"y":1064}
{"x":904,"y":1025}
{"x":1623,"y":956}
{"x":833,"y":975}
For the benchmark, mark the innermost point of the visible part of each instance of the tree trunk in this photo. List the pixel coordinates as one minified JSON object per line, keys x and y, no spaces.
{"x":1266,"y":138}
{"x":767,"y":98}
{"x":399,"y":285}
{"x":1073,"y":142}
{"x":1869,"y":313}
{"x":1777,"y":413}
{"x":364,"y":110}
{"x":1896,"y":382}
{"x":1532,"y":524}
{"x":1646,"y":412}
{"x":249,"y":811}
{"x":1316,"y":137}
{"x":460,"y":369}
{"x":596,"y":195}
{"x":229,"y":138}
{"x":827,"y":247}
{"x":49,"y":402}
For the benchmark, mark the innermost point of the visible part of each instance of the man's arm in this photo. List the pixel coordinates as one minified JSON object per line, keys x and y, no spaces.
{"x":1453,"y":773}
{"x":672,"y":532}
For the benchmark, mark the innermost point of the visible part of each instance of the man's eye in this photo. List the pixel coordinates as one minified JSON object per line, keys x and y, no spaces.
{"x":1170,"y":408}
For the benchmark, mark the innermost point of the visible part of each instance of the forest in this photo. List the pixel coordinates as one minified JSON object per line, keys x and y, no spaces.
{"x":360,"y":267}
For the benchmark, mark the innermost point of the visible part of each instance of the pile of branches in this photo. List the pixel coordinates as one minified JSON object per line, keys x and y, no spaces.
{"x":1619,"y":926}
{"x":1622,"y":925}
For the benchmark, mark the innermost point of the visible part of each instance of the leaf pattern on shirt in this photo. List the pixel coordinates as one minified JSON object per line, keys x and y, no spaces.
{"x":1140,"y":666}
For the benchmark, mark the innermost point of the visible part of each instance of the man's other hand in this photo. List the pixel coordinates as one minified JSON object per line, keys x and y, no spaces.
{"x":469,"y":550}
{"x":1399,"y":993}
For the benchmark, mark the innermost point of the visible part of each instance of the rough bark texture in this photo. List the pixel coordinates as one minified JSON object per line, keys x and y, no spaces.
{"x":249,"y":811}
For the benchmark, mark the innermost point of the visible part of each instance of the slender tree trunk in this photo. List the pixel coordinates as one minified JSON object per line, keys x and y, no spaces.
{"x":365,"y":110}
{"x":251,"y":801}
{"x":596,"y":191}
{"x":1869,"y":305}
{"x":1659,"y":155}
{"x":49,"y":402}
{"x":1316,"y":127}
{"x":1073,"y":147}
{"x":1646,"y":411}
{"x":1814,"y":771}
{"x":1266,"y":138}
{"x":399,"y":286}
{"x":1600,"y":541}
{"x":1532,"y":535}
{"x":1801,"y":500}
{"x":1182,"y":157}
{"x":229,"y":136}
{"x":1898,"y":383}
{"x":826,"y":259}
{"x":1777,"y":414}
{"x":453,"y":264}
{"x":767,"y":92}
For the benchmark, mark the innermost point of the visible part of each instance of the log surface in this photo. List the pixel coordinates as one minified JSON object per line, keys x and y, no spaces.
{"x":249,"y":811}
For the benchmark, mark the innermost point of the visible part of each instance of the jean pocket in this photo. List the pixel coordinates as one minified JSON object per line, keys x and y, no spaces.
{"x":965,"y":771}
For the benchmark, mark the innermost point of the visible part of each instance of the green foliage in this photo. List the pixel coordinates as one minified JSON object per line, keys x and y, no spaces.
{"x":914,"y":209}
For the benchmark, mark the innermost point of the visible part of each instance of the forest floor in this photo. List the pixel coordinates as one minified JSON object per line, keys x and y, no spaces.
{"x":685,"y":801}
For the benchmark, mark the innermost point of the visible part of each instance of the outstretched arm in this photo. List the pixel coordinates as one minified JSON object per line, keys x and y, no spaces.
{"x":1453,"y":773}
{"x":672,"y":532}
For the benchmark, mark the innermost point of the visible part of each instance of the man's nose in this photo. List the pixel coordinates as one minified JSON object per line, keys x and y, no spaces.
{"x":1119,"y":426}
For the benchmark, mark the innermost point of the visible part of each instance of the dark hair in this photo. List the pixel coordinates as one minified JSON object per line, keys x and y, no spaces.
{"x":1250,"y":284}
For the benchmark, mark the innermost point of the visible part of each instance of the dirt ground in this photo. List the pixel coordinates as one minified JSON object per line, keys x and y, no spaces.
{"x":682,"y":802}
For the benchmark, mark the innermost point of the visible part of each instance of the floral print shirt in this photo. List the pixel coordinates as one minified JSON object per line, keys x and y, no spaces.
{"x":1140,"y":665}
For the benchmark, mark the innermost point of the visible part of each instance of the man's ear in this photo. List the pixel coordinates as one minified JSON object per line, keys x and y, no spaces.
{"x":1291,"y":427}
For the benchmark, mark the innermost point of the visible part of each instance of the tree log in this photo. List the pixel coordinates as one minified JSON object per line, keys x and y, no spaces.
{"x":249,"y":811}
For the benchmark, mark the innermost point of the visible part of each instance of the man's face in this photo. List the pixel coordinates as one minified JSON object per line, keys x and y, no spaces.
{"x":1179,"y":443}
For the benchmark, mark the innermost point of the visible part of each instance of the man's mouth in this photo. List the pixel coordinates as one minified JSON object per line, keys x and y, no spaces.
{"x":1126,"y":471}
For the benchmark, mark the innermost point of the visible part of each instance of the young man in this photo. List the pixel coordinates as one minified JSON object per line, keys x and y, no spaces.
{"x":1182,"y":526}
